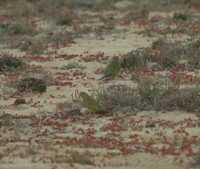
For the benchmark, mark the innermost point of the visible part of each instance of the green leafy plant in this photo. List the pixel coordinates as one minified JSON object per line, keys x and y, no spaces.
{"x":113,"y":68}
{"x":89,"y":102}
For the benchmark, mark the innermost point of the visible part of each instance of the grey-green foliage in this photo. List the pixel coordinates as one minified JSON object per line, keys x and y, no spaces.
{"x":181,"y":16}
{"x":150,"y":95}
{"x":31,"y":84}
{"x":20,"y":27}
{"x":90,"y":102}
{"x":117,"y":97}
{"x":151,"y":89}
{"x":73,"y":65}
{"x":113,"y":68}
{"x":9,"y":63}
{"x":135,"y":59}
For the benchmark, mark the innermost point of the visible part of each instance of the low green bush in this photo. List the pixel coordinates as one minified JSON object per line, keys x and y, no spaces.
{"x":180,"y":16}
{"x":113,"y":68}
{"x":31,"y":84}
{"x":151,"y":94}
{"x":135,"y":59}
{"x":9,"y":63}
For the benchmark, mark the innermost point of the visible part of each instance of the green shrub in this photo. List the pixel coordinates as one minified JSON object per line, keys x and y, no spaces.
{"x":113,"y":68}
{"x":38,"y":46}
{"x":9,"y":63}
{"x":168,"y":53}
{"x":196,"y":161}
{"x":192,"y":50}
{"x":61,"y":38}
{"x":3,"y":28}
{"x":20,"y":28}
{"x":90,"y":102}
{"x":21,"y":9}
{"x":189,"y":99}
{"x":119,"y":97}
{"x":158,"y":43}
{"x":180,"y":16}
{"x":194,"y":60}
{"x":135,"y":59}
{"x":64,"y":20}
{"x":151,"y":94}
{"x":32,"y":85}
{"x":151,"y":89}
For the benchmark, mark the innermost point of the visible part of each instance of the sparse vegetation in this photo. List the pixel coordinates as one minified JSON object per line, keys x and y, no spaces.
{"x":150,"y":90}
{"x":113,"y":68}
{"x":20,"y":28}
{"x":135,"y":59}
{"x":151,"y":94}
{"x":116,"y":98}
{"x":137,"y":93}
{"x":73,"y":65}
{"x":32,"y":85}
{"x":166,"y":54}
{"x":196,"y":162}
{"x":19,"y":101}
{"x":84,"y":159}
{"x":64,"y":19}
{"x":90,"y":102}
{"x":37,"y":45}
{"x":180,"y":16}
{"x":9,"y":63}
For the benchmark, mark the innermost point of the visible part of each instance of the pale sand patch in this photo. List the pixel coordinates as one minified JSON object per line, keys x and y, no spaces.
{"x":110,"y":46}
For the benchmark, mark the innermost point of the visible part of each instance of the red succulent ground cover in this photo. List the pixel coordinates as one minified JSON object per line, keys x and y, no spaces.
{"x":110,"y":134}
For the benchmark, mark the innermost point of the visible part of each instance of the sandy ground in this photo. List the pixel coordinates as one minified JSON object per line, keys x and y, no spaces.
{"x":146,"y":140}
